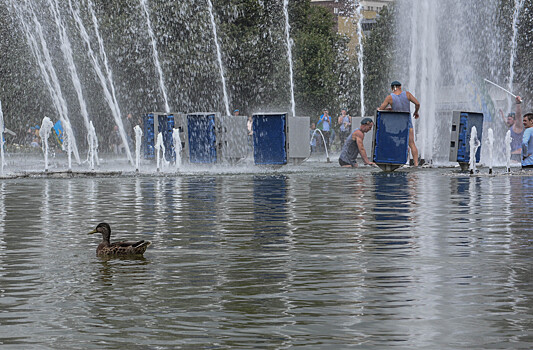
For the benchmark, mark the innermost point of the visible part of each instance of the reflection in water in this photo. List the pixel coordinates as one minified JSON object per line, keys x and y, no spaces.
{"x":334,"y":260}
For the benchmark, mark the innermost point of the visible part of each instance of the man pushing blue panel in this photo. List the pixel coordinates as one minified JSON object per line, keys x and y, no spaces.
{"x":391,"y":139}
{"x":269,"y":138}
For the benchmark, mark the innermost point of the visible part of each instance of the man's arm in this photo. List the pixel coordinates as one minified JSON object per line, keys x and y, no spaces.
{"x":413,"y":99}
{"x":388,"y":101}
{"x":359,"y":137}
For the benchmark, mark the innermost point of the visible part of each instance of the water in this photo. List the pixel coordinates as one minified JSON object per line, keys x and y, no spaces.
{"x":42,"y":55}
{"x":441,"y":57}
{"x":44,"y":133}
{"x":420,"y":260}
{"x":514,"y":41}
{"x":219,"y":56}
{"x":155,"y":54}
{"x":2,"y":139}
{"x":66,"y":48}
{"x":176,"y":141}
{"x":360,"y":18}
{"x":138,"y":144}
{"x":323,"y":142}
{"x":508,"y":141}
{"x":490,"y":144}
{"x":289,"y":53}
{"x":474,"y":143}
{"x":106,"y":81}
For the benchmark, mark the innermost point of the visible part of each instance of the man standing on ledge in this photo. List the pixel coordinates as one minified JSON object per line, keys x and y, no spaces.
{"x":354,"y":146}
{"x":399,"y":101}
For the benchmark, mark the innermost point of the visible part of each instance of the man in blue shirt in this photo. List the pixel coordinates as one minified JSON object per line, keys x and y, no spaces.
{"x":325,"y":125}
{"x":527,"y":142}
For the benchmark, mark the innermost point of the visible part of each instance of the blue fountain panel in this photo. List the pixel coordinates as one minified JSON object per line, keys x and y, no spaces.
{"x":466,"y":122}
{"x":166,"y":127}
{"x":202,"y":138}
{"x":269,"y":138}
{"x":391,"y":137}
{"x":149,"y":136}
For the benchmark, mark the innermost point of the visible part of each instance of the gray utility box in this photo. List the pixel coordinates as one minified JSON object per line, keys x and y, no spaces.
{"x":233,"y":137}
{"x":368,"y":140}
{"x":208,"y":137}
{"x":298,"y":141}
{"x":462,"y":123}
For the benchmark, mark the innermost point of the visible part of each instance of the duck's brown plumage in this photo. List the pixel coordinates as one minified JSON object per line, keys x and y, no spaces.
{"x":106,"y":248}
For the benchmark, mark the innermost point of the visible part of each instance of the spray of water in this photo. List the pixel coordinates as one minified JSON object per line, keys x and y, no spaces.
{"x":92,"y":141}
{"x":360,"y":57}
{"x":138,"y":142}
{"x":289,"y":53}
{"x":474,"y":145}
{"x":44,"y":133}
{"x":66,"y":48}
{"x":219,"y":56}
{"x":155,"y":55}
{"x":109,"y":93}
{"x":323,"y":140}
{"x":490,"y":144}
{"x":177,"y":147}
{"x":48,"y":73}
{"x":516,"y":14}
{"x":2,"y":141}
{"x":508,"y":141}
{"x":160,"y":152}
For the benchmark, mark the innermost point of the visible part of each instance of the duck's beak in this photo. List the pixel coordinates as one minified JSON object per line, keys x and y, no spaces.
{"x":93,"y":231}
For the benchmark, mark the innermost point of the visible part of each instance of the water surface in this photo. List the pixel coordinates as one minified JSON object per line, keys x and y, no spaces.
{"x":311,"y":259}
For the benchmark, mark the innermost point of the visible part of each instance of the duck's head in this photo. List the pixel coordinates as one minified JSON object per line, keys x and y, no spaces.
{"x":104,"y":229}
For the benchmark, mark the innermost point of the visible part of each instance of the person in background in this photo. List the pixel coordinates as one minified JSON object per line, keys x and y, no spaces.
{"x":354,"y":146}
{"x":345,"y":122}
{"x":527,"y":142}
{"x":516,"y":127}
{"x":236,"y":112}
{"x":400,"y":101}
{"x":324,"y":123}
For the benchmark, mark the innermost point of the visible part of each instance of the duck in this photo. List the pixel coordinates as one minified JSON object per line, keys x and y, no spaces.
{"x":123,"y":248}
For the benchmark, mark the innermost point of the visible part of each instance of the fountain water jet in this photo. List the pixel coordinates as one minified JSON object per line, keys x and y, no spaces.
{"x":155,"y":55}
{"x":360,"y":57}
{"x":177,"y":147}
{"x":474,"y":145}
{"x":508,"y":141}
{"x":323,"y":140}
{"x":516,"y":14}
{"x":1,"y":140}
{"x":289,"y":53}
{"x":109,"y":93}
{"x":48,"y":73}
{"x":92,"y":141}
{"x":138,"y":143}
{"x":44,"y":133}
{"x":490,"y":141}
{"x":66,"y":48}
{"x":219,"y":56}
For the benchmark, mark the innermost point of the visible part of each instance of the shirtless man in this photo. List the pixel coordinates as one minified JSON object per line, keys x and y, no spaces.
{"x":353,"y":145}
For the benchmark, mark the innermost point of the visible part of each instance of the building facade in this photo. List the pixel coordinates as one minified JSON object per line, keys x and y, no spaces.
{"x":345,"y":16}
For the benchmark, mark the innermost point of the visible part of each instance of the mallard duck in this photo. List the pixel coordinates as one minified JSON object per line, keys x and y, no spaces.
{"x":106,"y":248}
